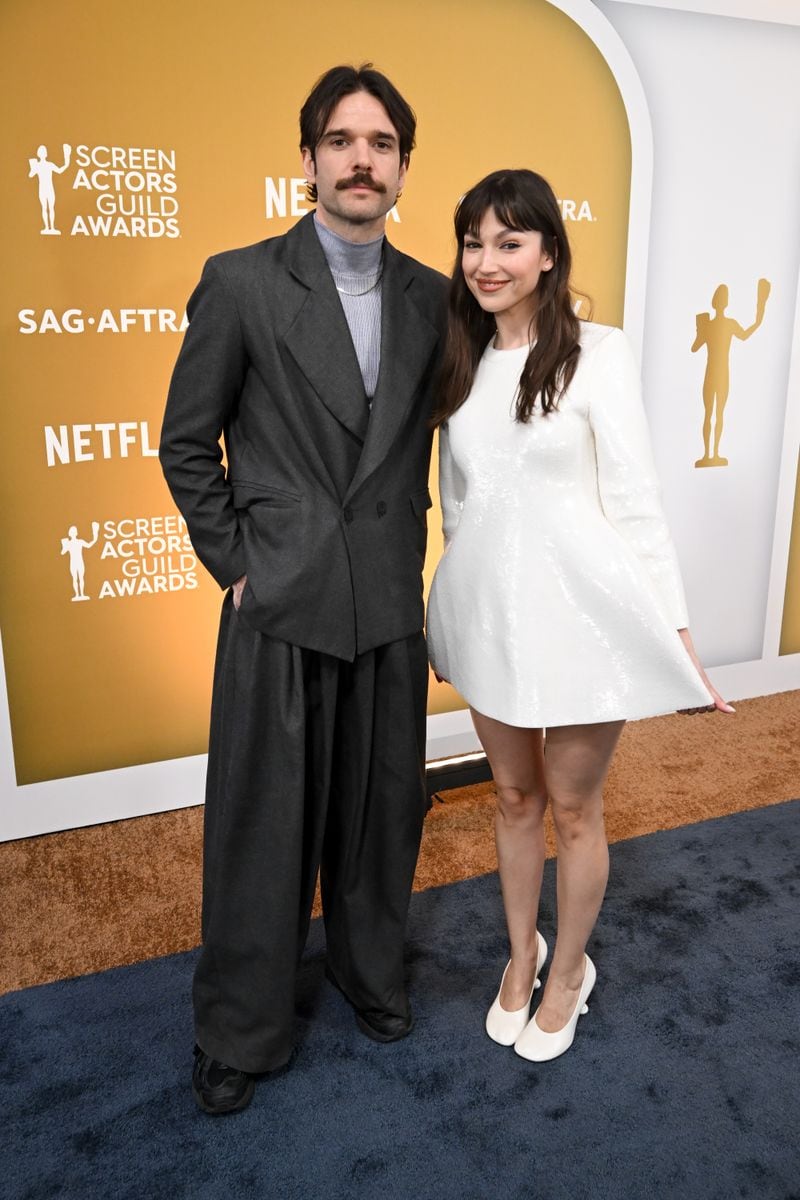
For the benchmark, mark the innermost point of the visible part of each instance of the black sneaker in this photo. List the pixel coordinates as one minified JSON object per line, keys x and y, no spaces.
{"x":218,"y":1088}
{"x":379,"y":1026}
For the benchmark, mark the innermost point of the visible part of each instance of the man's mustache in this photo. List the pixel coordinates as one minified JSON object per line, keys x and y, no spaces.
{"x":360,"y":179}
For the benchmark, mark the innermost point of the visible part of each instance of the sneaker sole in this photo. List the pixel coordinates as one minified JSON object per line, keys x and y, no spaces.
{"x":216,"y":1110}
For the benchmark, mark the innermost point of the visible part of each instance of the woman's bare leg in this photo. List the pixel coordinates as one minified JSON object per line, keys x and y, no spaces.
{"x":516,"y":758}
{"x":576,"y":764}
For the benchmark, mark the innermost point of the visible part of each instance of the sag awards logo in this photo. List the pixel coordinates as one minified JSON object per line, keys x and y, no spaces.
{"x":138,"y":556}
{"x":716,"y":334}
{"x":122,"y":191}
{"x":104,"y":320}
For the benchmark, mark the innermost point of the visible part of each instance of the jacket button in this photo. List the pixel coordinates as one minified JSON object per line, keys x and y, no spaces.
{"x":380,"y":508}
{"x":348,"y":515}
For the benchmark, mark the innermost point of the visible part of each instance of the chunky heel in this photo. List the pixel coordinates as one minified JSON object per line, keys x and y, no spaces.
{"x":536,"y":1045}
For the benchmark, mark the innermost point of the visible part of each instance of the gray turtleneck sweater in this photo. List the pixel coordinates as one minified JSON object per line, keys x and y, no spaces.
{"x":356,"y":268}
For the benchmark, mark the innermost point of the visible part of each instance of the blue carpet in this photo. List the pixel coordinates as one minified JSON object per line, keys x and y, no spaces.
{"x":682,"y":1082}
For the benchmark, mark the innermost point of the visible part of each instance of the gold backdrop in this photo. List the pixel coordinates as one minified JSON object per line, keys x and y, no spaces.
{"x":175,"y":117}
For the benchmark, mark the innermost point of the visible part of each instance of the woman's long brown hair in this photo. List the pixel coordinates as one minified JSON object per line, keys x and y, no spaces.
{"x":521,"y":200}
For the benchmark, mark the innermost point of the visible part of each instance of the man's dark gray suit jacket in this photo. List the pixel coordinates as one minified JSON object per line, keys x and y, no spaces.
{"x":323,"y":505}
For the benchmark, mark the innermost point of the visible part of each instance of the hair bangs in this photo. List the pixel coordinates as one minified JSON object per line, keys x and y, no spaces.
{"x":499,"y":193}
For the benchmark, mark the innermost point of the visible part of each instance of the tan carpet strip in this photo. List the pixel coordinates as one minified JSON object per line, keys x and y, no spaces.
{"x":89,"y":899}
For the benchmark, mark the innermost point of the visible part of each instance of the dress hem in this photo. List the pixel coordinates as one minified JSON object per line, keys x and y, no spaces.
{"x":636,"y":714}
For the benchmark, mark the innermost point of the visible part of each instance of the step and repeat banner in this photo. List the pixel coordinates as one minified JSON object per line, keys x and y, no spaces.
{"x":137,"y":144}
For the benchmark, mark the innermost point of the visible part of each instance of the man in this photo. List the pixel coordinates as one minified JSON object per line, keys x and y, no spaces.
{"x":313,"y":353}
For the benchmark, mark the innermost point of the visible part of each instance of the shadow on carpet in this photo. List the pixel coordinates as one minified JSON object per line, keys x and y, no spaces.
{"x":681,"y":1082}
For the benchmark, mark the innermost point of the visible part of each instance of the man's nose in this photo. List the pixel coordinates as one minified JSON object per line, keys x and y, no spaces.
{"x":361,"y":154}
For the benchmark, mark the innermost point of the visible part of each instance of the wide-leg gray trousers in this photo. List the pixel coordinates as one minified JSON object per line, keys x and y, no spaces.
{"x":314,"y":764}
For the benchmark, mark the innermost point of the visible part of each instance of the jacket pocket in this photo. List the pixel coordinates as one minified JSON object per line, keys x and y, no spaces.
{"x":245,"y":494}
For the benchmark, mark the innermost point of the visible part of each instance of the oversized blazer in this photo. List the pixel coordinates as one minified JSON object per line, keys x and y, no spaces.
{"x":323,"y":504}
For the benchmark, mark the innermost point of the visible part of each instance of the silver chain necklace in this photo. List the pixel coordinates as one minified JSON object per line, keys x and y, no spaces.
{"x":362,"y":291}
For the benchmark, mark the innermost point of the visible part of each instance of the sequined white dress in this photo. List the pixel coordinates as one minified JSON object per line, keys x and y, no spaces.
{"x":559,"y":597}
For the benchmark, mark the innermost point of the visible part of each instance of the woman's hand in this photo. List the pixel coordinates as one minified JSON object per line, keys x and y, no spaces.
{"x":718,"y":705}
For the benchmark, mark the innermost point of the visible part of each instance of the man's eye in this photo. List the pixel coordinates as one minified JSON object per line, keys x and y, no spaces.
{"x":383,"y":145}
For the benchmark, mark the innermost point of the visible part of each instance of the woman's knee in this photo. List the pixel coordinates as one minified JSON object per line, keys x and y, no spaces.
{"x":519,"y":803}
{"x":577,"y":818}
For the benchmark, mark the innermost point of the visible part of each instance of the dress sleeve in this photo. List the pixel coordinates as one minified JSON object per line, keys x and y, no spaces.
{"x":629,"y":489}
{"x":451,"y":487}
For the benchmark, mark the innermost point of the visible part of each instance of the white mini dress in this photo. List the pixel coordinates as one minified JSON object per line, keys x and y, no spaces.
{"x":558,"y":598}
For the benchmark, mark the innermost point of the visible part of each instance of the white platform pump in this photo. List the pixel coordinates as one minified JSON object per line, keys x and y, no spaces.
{"x":536,"y":1045}
{"x":505,"y":1027}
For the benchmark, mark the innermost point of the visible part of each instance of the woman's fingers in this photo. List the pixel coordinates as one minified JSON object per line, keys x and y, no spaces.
{"x":719,"y":704}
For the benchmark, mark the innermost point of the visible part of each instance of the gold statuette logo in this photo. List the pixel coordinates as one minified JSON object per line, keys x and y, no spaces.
{"x":716,"y":334}
{"x":74,"y":546}
{"x":44,"y":170}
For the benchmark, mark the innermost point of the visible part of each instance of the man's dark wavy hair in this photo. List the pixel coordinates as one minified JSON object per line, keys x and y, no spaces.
{"x":343,"y":81}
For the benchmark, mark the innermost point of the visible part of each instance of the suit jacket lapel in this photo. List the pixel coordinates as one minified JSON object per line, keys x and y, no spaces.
{"x":319,"y":338}
{"x":407,"y":342}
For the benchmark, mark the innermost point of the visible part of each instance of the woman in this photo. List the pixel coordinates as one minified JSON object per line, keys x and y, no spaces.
{"x":558,"y":603}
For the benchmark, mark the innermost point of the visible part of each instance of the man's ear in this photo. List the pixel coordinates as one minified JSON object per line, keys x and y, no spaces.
{"x":309,"y":165}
